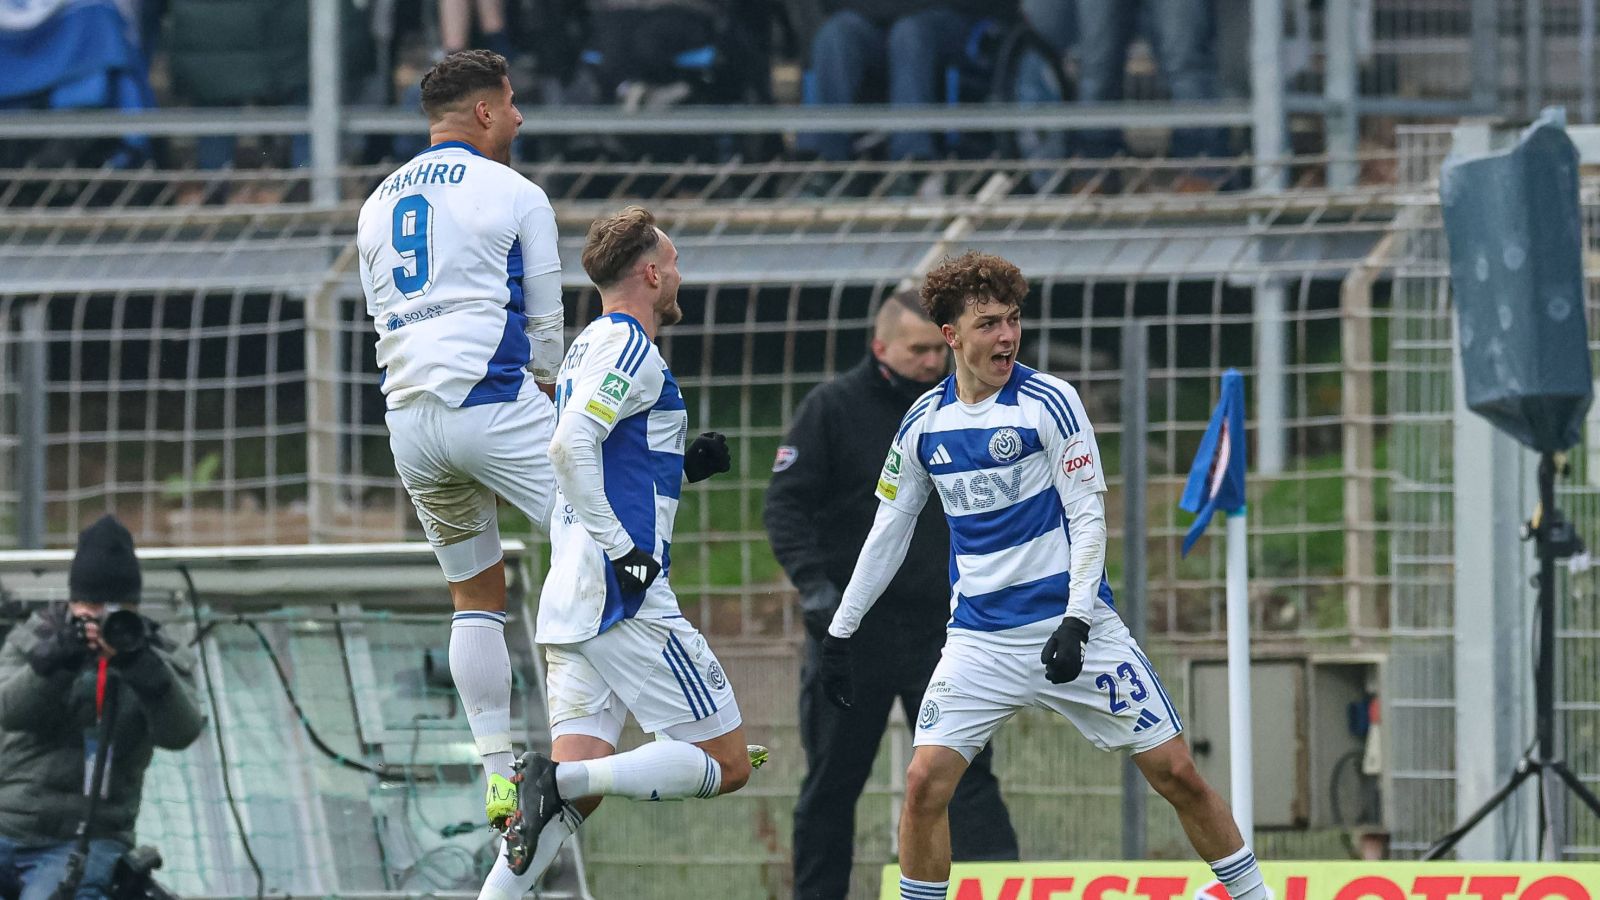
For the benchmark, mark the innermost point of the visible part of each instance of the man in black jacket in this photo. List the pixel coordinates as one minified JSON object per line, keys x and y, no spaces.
{"x":819,"y":509}
{"x":58,"y":672}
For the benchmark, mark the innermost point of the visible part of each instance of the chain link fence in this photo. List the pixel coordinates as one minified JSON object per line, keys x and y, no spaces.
{"x":208,"y":374}
{"x":1424,"y":693}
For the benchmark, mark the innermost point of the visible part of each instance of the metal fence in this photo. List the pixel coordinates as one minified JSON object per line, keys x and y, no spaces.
{"x":261,"y":356}
{"x":1359,"y":66}
{"x":208,"y":373}
{"x":1426,"y":694}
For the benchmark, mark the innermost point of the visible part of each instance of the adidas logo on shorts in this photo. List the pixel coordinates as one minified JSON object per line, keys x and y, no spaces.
{"x":1147,"y":719}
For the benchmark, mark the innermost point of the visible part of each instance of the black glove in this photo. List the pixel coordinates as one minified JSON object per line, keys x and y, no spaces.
{"x":1063,"y":653}
{"x":636,"y":571}
{"x":144,"y":671}
{"x":834,"y":667}
{"x":61,"y":646}
{"x":706,"y":456}
{"x":817,"y":605}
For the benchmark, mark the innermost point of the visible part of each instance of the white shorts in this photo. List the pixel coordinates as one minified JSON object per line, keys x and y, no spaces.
{"x":661,"y":670}
{"x":454,"y":462}
{"x":1118,"y":702}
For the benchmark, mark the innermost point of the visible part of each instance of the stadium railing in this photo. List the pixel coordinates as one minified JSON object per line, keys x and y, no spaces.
{"x":207,"y":372}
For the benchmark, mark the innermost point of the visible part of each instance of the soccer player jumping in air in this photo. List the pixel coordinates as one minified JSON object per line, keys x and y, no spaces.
{"x":1013,"y":458}
{"x":459,"y":265}
{"x":614,"y":638}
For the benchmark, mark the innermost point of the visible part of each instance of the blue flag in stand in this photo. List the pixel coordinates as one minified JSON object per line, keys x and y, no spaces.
{"x":1216,"y":480}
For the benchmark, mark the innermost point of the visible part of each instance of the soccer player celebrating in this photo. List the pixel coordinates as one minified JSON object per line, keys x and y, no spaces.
{"x":1013,"y":458}
{"x":458,"y":261}
{"x":615,"y":641}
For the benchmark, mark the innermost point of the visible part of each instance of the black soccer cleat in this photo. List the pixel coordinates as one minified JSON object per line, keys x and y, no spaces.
{"x":537,"y":804}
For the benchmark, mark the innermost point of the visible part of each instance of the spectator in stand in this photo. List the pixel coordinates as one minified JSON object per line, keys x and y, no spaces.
{"x":889,"y":49}
{"x":1182,"y":36}
{"x":249,"y":53}
{"x":82,"y":55}
{"x":455,"y":26}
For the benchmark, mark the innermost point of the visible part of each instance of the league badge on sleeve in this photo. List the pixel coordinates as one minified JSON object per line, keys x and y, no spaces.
{"x":889,"y":481}
{"x":785,"y":458}
{"x":607,"y":399}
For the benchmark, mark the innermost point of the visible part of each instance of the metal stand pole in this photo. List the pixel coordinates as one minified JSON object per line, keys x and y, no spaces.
{"x":1556,"y":540}
{"x":1134,"y":609}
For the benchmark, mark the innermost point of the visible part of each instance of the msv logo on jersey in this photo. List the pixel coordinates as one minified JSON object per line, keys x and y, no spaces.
{"x":986,"y":489}
{"x":1005,"y":445}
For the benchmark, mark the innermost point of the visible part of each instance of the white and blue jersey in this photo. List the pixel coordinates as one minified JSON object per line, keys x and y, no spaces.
{"x":445,"y":243}
{"x":614,"y":375}
{"x":1004,"y":470}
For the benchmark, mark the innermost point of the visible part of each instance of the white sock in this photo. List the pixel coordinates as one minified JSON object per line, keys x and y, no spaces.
{"x":481,"y":669}
{"x":1239,"y":873}
{"x":503,"y":884}
{"x":663,"y":770}
{"x":911,"y":889}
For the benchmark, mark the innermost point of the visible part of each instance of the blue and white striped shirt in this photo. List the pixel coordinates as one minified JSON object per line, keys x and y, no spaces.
{"x":1005,"y":470}
{"x":615,"y":376}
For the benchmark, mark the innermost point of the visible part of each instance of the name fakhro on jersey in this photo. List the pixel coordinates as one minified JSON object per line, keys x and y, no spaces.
{"x":427,"y":173}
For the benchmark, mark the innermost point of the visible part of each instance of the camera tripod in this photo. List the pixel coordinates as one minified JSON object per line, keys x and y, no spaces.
{"x":1555,"y":539}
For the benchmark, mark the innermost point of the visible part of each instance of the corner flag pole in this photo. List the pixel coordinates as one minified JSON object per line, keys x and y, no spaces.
{"x":1240,"y":770}
{"x":1217,"y":484}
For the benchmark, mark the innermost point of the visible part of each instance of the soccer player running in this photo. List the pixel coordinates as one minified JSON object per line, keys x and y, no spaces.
{"x":458,"y":261}
{"x":1013,"y":458}
{"x":615,"y":641}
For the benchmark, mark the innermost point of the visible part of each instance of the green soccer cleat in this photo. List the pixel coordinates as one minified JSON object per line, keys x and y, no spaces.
{"x":500,"y":801}
{"x":758,"y":755}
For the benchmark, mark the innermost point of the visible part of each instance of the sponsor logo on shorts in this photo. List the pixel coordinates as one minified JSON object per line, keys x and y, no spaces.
{"x":1005,"y":445}
{"x":929,"y":716}
{"x":715,"y":676}
{"x":940,"y":687}
{"x":1146,"y":720}
{"x":785,"y":458}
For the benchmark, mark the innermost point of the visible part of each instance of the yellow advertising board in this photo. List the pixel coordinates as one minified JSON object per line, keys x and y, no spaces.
{"x":1288,"y":880}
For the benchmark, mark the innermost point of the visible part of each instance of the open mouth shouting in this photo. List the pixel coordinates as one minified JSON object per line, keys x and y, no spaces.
{"x":1003,"y":360}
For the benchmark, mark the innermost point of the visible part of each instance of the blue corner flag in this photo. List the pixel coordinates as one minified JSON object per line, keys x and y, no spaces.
{"x":1216,"y":480}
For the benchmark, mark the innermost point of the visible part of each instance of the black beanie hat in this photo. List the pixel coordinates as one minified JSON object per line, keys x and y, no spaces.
{"x":104,"y":570}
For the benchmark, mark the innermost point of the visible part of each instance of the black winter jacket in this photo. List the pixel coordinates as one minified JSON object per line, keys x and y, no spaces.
{"x":44,"y":720}
{"x":821,"y":501}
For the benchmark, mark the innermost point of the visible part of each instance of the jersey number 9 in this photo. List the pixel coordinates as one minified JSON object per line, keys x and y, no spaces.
{"x":413,"y":240}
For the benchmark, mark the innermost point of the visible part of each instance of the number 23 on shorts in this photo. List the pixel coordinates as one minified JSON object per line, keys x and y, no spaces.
{"x":1136,"y":689}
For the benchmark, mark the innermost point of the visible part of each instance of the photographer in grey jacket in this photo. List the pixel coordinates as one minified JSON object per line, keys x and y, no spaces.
{"x":59,"y":671}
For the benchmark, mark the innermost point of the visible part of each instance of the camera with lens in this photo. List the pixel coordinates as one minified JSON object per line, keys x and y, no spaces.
{"x":123,"y":630}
